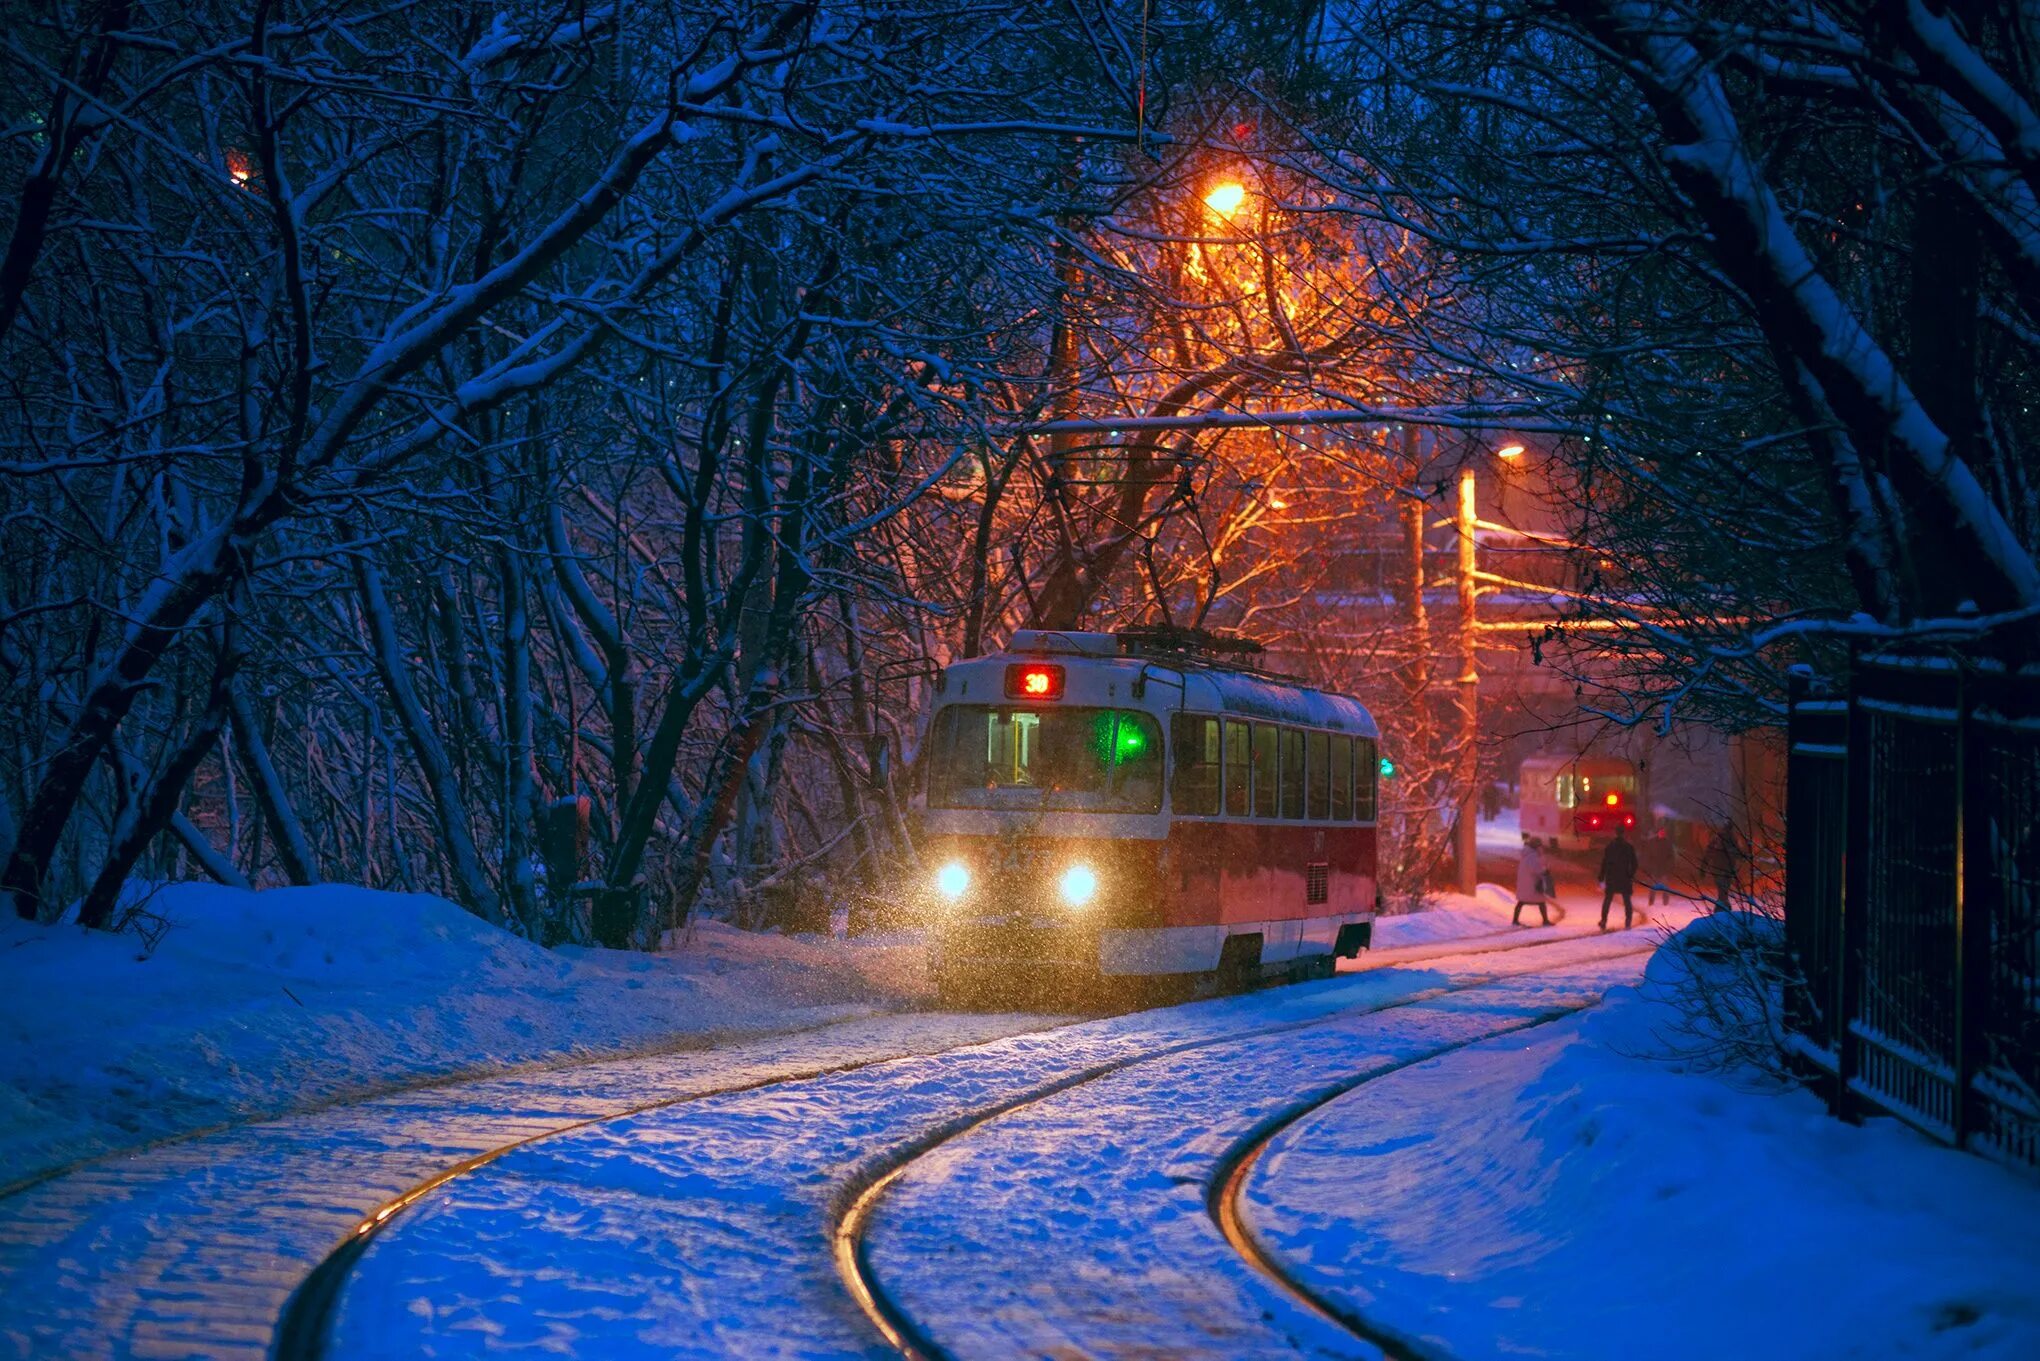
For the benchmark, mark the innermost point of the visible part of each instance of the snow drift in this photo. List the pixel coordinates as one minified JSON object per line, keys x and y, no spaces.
{"x":254,"y":1003}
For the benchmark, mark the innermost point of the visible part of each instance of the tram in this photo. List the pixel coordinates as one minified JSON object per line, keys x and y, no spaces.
{"x":1572,"y":802}
{"x":1143,"y":805}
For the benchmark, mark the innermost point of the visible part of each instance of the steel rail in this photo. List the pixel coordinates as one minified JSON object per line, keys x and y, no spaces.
{"x":861,"y":1196}
{"x":1229,"y":1179}
{"x":303,"y":1327}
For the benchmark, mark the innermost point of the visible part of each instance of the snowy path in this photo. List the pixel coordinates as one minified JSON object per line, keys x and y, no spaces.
{"x":193,"y":1247}
{"x":705,"y":1229}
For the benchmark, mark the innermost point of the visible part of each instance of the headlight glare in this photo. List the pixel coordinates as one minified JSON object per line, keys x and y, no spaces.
{"x":953,"y":879}
{"x":1079,"y":885}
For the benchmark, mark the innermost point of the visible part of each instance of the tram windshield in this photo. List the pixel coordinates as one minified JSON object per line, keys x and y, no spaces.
{"x":1088,"y":760}
{"x":1575,"y":788}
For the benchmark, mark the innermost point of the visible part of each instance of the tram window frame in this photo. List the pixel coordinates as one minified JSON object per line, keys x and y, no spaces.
{"x":1366,"y":779}
{"x":1342,"y":777}
{"x":1236,"y":745}
{"x":1317,"y":775}
{"x":1194,"y":760}
{"x":1292,"y":774}
{"x":1267,"y":782}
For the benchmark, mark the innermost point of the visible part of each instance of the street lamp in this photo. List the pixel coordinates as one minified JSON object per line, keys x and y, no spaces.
{"x":1225,"y":199}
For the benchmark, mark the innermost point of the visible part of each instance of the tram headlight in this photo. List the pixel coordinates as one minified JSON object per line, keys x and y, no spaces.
{"x":952,"y":880}
{"x":1079,"y":885}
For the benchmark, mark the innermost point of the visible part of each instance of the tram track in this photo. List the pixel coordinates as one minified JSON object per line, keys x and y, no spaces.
{"x":1229,"y":1179}
{"x":860,"y":1198}
{"x":305,"y":1324}
{"x":307,"y":1317}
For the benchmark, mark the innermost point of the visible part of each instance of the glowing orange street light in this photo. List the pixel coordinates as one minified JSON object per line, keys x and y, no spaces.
{"x":1512,"y":452}
{"x":1225,"y":199}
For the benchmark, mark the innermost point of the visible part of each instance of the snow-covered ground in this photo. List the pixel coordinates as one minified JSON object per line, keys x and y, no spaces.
{"x":1583,"y":1190}
{"x":1573,"y":1189}
{"x":192,"y":1247}
{"x":703,"y":1229}
{"x":256,"y":1003}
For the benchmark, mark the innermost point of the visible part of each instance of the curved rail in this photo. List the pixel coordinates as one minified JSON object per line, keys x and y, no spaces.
{"x":1229,"y":1180}
{"x":861,"y":1197}
{"x":307,"y":1317}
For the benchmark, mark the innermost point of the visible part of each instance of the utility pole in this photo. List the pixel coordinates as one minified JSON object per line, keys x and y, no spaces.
{"x":1419,"y":742}
{"x":1469,"y":692}
{"x":1419,"y":678}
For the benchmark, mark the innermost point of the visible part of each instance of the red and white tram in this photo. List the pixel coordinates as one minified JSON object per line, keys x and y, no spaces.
{"x":1574,"y":802}
{"x":1124,"y":805}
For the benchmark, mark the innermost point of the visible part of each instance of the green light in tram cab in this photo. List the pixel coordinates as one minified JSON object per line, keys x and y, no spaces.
{"x":1132,"y":742}
{"x":1118,"y":739}
{"x":1387,"y":769}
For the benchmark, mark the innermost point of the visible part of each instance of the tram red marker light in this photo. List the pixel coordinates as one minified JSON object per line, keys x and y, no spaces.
{"x":1032,"y":680}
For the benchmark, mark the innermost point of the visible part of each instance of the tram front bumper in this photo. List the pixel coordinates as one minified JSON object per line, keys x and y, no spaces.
{"x":1030,"y":942}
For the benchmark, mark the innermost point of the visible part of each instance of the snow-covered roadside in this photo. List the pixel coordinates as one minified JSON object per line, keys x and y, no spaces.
{"x":1577,"y":1190}
{"x":257,"y":1003}
{"x":1451,"y":916}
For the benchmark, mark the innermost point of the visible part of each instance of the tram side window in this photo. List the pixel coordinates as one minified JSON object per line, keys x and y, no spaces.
{"x":1292,"y":773}
{"x":1317,"y":768}
{"x":1238,"y":770}
{"x":1366,"y":775}
{"x":1194,"y":743}
{"x":1342,"y":779}
{"x":1265,"y":805}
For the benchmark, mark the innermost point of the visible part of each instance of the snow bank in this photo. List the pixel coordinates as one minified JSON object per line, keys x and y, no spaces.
{"x":1454,"y":916}
{"x":255,"y":1003}
{"x":1582,"y":1190}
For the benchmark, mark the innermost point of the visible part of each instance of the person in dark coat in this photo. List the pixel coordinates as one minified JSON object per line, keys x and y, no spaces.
{"x":1719,"y":864}
{"x":1618,"y":875}
{"x":1654,"y":856}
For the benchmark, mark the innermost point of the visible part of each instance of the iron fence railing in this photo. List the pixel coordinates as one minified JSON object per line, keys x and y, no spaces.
{"x":1912,"y":905}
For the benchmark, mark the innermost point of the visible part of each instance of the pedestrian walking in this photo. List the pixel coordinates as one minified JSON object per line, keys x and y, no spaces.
{"x":1533,"y":883}
{"x":1719,"y":864}
{"x":1655,"y":859}
{"x":1618,"y":875}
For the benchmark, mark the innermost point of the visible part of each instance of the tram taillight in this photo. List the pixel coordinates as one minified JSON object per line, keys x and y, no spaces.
{"x":1034,"y":680}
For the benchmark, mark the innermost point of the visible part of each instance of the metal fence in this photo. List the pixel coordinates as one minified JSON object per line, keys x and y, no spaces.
{"x":1912,"y":895}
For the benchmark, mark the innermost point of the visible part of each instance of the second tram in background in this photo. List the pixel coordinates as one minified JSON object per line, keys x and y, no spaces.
{"x":1574,"y":802}
{"x":1144,"y":805}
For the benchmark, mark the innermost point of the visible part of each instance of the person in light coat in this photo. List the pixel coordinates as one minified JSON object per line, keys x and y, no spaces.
{"x":1531,"y":879}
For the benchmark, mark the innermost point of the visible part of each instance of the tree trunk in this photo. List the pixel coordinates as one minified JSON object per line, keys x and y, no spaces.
{"x":449,"y":808}
{"x":300,"y":866}
{"x":157,"y":803}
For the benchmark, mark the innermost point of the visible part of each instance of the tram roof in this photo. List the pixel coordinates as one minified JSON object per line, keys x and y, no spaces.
{"x":1239,"y":692}
{"x":1208,"y":686}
